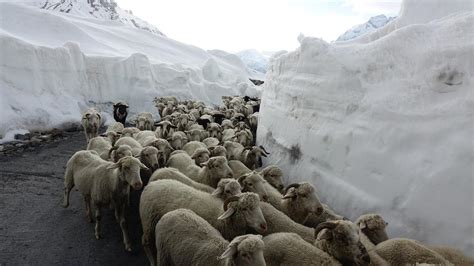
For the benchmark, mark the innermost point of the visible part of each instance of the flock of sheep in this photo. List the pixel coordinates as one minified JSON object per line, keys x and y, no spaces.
{"x":205,"y":201}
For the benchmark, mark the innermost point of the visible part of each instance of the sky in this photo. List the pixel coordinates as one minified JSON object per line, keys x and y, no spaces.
{"x":265,"y":25}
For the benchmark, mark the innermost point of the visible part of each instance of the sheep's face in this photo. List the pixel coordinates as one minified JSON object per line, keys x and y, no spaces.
{"x":373,"y":226}
{"x":149,"y":156}
{"x":201,"y":157}
{"x":92,"y":121}
{"x":219,"y":168}
{"x":129,"y":168}
{"x":177,"y":142}
{"x":195,"y":134}
{"x":344,"y":237}
{"x":227,"y":124}
{"x":304,"y":197}
{"x":253,"y":182}
{"x":120,"y":152}
{"x":242,"y":138}
{"x":130,"y":132}
{"x":273,"y":175}
{"x":247,"y":206}
{"x":215,"y":132}
{"x":112,"y":136}
{"x":219,"y":151}
{"x":227,"y":188}
{"x":142,"y":123}
{"x":247,"y":250}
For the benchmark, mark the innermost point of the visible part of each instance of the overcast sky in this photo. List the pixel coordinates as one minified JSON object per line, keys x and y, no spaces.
{"x":265,"y":25}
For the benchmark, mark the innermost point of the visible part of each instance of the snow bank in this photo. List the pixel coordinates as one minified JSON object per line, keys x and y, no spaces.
{"x":384,"y":124}
{"x":54,"y":65}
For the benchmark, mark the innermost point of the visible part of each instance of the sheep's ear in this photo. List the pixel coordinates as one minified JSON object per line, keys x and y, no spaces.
{"x":227,"y":214}
{"x":290,"y":194}
{"x":325,"y":234}
{"x":362,"y":225}
{"x":205,"y":163}
{"x":217,"y":191}
{"x":142,"y":166}
{"x":113,"y":166}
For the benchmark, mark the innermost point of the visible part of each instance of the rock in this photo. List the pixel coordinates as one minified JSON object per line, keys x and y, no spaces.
{"x":2,"y":148}
{"x":56,"y":133}
{"x":23,"y":136}
{"x":46,"y":137}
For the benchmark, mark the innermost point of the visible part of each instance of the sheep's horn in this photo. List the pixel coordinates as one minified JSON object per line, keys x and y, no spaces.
{"x":295,"y":185}
{"x":321,"y":226}
{"x":261,"y":147}
{"x":112,"y":149}
{"x":229,"y":200}
{"x":173,"y":126}
{"x":241,"y":178}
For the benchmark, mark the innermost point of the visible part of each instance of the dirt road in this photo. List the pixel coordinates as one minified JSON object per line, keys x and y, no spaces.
{"x":36,"y":230}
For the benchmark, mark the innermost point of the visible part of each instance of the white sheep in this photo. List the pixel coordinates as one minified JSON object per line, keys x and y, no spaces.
{"x":196,"y":134}
{"x":228,"y":135}
{"x":218,"y":151}
{"x":118,"y":152}
{"x":165,"y":129}
{"x":226,"y":188}
{"x":253,"y":182}
{"x":101,"y":145}
{"x":327,"y":215}
{"x":144,"y":135}
{"x":273,"y":175}
{"x":130,"y":131}
{"x":134,"y":144}
{"x":341,"y":240}
{"x":227,"y":124}
{"x":211,"y":142}
{"x":175,"y":174}
{"x":144,"y":121}
{"x":287,"y":249}
{"x":184,"y":238}
{"x":211,"y":172}
{"x":453,"y":255}
{"x":178,"y":140}
{"x":371,"y":230}
{"x":91,"y":121}
{"x":215,"y":131}
{"x":116,"y":127}
{"x":231,"y":218}
{"x":192,"y":146}
{"x":103,"y":183}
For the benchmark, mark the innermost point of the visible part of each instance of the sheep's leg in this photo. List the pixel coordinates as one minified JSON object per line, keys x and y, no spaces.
{"x":97,"y":221}
{"x":68,"y":185}
{"x":87,"y":201}
{"x":148,"y":249}
{"x":123,"y":226}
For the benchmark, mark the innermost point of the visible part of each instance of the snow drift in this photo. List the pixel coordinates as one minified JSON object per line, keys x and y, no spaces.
{"x":53,"y":65}
{"x":383,"y":123}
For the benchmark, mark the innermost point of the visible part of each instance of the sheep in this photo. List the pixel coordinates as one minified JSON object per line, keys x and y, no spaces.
{"x":144,"y":121}
{"x":244,"y":137}
{"x":142,"y":136}
{"x":200,"y":156}
{"x":130,"y":131}
{"x":169,"y":109}
{"x":175,"y":174}
{"x":135,"y":145}
{"x":452,"y":255}
{"x":101,"y":145}
{"x":211,"y":172}
{"x":218,"y":151}
{"x":215,"y":131}
{"x":120,"y":112}
{"x":211,"y":142}
{"x":91,"y":121}
{"x":277,"y":221}
{"x":116,"y":127}
{"x":252,"y":156}
{"x":178,"y":140}
{"x":165,"y":129}
{"x":184,"y":238}
{"x":300,"y":200}
{"x":226,"y":188}
{"x":160,"y":107}
{"x":231,"y":218}
{"x":402,"y":251}
{"x":196,"y":134}
{"x":192,"y":146}
{"x":253,"y":121}
{"x":195,"y":114}
{"x":227,"y":124}
{"x":234,"y":149}
{"x":327,"y":215}
{"x":371,"y":230}
{"x":103,"y":183}
{"x":162,"y":145}
{"x":238,"y":168}
{"x":253,"y":182}
{"x":228,"y":135}
{"x":340,"y":239}
{"x":273,"y":175}
{"x":290,"y":249}
{"x":183,"y":121}
{"x":118,"y":152}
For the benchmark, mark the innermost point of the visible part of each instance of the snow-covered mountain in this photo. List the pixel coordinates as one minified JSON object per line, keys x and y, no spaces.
{"x":384,"y":123}
{"x":53,"y":65}
{"x":253,"y":59}
{"x":371,"y":25}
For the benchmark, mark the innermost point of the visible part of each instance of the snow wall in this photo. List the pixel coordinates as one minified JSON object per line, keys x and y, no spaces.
{"x":384,"y":123}
{"x":53,"y":66}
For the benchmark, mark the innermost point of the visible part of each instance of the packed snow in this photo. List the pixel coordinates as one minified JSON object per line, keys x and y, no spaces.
{"x":362,"y":29}
{"x":53,"y":65}
{"x":383,"y":123}
{"x":255,"y":61}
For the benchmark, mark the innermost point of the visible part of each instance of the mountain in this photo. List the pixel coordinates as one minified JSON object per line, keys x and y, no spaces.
{"x":100,"y":9}
{"x":359,"y":30}
{"x":255,"y":61}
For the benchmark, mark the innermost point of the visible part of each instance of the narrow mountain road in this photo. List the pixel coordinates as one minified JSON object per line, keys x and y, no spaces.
{"x":36,"y":230}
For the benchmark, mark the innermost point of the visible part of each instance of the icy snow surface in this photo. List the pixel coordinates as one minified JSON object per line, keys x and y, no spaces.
{"x":359,"y":30}
{"x":383,"y":123}
{"x":54,"y":65}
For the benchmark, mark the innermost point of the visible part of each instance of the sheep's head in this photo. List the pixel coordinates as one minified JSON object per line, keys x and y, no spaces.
{"x":215,"y":130}
{"x":229,"y":113}
{"x":91,"y":119}
{"x":227,"y":188}
{"x":273,"y":175}
{"x":218,"y":151}
{"x":118,"y":152}
{"x":302,"y":198}
{"x":340,"y":239}
{"x":149,"y":157}
{"x":243,"y":137}
{"x":247,"y":205}
{"x":130,"y":132}
{"x":129,"y":171}
{"x":253,"y":182}
{"x":200,"y":155}
{"x":227,"y":124}
{"x":166,"y":129}
{"x":241,"y":126}
{"x":196,"y":134}
{"x":245,"y":250}
{"x":142,"y":123}
{"x":254,"y":156}
{"x":178,"y":140}
{"x":373,"y":226}
{"x":218,"y":168}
